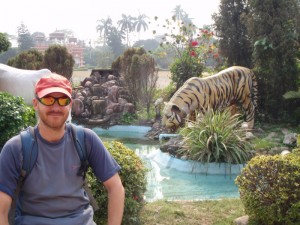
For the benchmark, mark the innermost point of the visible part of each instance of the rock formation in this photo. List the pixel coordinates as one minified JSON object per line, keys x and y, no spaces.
{"x":101,"y":99}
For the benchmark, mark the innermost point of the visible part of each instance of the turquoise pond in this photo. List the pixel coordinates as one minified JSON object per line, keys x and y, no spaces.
{"x":170,"y":178}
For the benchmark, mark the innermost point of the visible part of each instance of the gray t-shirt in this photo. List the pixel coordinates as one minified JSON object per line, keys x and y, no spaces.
{"x":52,"y":193}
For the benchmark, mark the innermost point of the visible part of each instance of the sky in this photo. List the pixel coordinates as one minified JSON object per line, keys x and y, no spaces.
{"x":81,"y":16}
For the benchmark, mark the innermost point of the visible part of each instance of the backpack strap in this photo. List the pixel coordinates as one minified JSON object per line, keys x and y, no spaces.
{"x":79,"y":141}
{"x":29,"y":152}
{"x":78,"y":135}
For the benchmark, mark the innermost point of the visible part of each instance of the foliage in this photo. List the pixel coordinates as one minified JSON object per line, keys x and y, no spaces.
{"x":100,"y":57}
{"x":215,"y":137}
{"x":294,"y":99}
{"x":292,"y":94}
{"x":272,"y":31}
{"x":104,"y":27}
{"x":133,"y":176}
{"x":185,"y":68}
{"x":139,"y":73}
{"x":166,"y":93}
{"x":128,"y":118}
{"x":5,"y":56}
{"x":127,"y":25}
{"x":4,"y":43}
{"x":263,"y":143}
{"x":269,"y":189}
{"x":164,"y":56}
{"x":30,"y":60}
{"x":25,"y":41}
{"x":297,"y":149}
{"x":14,"y":116}
{"x":148,"y":45}
{"x":192,"y":50}
{"x":58,"y":60}
{"x":230,"y":27}
{"x":114,"y":41}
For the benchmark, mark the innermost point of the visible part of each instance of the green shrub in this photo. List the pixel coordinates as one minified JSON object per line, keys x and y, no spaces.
{"x":297,"y":149}
{"x":215,"y":137}
{"x":128,"y":118}
{"x":133,"y":176}
{"x":269,"y":189}
{"x":14,"y":116}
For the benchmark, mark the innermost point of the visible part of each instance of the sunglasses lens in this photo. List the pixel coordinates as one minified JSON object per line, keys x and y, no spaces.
{"x":47,"y":100}
{"x":63,"y":101}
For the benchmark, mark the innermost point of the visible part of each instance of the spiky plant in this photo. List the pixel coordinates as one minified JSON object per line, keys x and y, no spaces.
{"x":215,"y":137}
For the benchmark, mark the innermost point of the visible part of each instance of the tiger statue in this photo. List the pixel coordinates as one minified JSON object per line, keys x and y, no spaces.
{"x":234,"y":85}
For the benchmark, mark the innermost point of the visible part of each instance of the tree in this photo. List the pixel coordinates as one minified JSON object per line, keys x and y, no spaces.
{"x":4,"y":42}
{"x":189,"y":57}
{"x":272,"y":27}
{"x":148,"y":80}
{"x":127,"y":24}
{"x":104,"y":27}
{"x":114,"y":41}
{"x":58,"y":60}
{"x":30,"y":60}
{"x":139,"y":73}
{"x":5,"y":56}
{"x":180,"y":15}
{"x":25,"y":40}
{"x":234,"y":43}
{"x":140,"y":23}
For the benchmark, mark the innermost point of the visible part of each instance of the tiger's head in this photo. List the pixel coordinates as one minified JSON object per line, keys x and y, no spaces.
{"x":172,"y":116}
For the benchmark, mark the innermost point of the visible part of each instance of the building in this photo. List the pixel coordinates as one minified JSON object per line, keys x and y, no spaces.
{"x":75,"y":47}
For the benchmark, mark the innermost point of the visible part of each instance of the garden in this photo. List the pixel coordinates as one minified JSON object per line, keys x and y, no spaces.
{"x":268,"y":184}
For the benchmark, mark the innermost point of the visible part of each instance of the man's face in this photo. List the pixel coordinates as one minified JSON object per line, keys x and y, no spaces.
{"x":53,"y":116}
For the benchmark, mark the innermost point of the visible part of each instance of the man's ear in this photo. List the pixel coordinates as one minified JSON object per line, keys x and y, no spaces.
{"x":35,"y":103}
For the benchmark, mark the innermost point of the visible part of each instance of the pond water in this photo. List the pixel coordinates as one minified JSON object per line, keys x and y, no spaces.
{"x":170,"y":178}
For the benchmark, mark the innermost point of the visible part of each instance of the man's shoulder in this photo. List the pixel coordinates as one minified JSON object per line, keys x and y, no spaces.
{"x":13,"y":144}
{"x":87,"y":131}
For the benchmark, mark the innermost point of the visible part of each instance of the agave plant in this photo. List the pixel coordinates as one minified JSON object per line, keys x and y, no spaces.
{"x":215,"y":137}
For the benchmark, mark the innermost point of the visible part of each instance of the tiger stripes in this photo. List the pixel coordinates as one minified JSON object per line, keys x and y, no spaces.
{"x":234,"y":85}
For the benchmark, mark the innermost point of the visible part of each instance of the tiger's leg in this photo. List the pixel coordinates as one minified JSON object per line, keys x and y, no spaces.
{"x":192,"y":116}
{"x":249,"y":110}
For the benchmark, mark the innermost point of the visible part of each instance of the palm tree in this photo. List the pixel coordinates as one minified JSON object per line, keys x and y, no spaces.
{"x":140,"y":23}
{"x":127,"y":24}
{"x":104,"y":27}
{"x":179,"y":13}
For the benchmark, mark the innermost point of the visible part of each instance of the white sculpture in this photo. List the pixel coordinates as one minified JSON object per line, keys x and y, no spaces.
{"x":19,"y":82}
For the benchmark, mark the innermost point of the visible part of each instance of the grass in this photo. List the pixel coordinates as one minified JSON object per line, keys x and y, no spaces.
{"x":213,"y":212}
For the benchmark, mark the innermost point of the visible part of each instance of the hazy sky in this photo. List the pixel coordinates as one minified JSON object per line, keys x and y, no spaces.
{"x":81,"y":16}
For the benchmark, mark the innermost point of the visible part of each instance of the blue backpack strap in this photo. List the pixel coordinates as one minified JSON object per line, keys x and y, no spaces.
{"x":79,"y":141}
{"x":29,"y":150}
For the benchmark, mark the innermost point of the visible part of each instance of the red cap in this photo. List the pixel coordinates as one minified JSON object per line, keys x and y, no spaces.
{"x":53,"y":83}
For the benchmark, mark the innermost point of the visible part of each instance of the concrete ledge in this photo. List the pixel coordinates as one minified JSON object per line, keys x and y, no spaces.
{"x":164,"y":160}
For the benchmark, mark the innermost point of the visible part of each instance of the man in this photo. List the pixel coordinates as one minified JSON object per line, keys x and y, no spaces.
{"x":52,"y":193}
